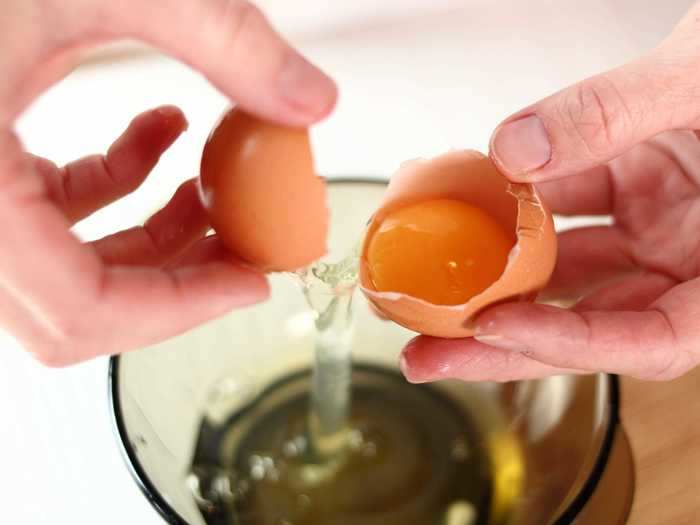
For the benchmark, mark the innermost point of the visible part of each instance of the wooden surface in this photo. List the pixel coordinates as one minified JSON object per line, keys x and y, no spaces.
{"x":663,"y":424}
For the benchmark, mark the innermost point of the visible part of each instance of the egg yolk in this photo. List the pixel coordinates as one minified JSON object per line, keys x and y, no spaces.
{"x":442,"y":251}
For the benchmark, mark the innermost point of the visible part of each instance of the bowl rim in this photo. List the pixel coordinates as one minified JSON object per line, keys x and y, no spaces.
{"x":171,"y":516}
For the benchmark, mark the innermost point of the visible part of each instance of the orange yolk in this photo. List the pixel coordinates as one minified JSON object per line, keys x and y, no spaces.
{"x":442,"y":251}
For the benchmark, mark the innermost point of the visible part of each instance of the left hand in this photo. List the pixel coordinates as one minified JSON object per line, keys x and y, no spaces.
{"x":67,"y":301}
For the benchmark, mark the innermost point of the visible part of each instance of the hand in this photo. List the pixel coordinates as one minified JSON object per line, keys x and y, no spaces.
{"x":637,"y":282}
{"x":66,"y":301}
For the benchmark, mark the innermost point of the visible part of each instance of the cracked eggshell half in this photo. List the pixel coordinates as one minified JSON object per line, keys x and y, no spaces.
{"x":472,"y":178}
{"x":261,"y":192}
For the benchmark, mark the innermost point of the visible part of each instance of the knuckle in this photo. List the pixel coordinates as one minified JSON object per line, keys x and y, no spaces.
{"x":68,"y":331}
{"x":240,"y":20}
{"x":13,"y":162}
{"x":666,"y":360}
{"x":65,"y":343}
{"x":18,"y":183}
{"x":597,"y":115}
{"x":664,"y":367}
{"x":49,"y":354}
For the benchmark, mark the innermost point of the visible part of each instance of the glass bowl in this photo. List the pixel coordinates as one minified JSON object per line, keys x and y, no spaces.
{"x":551,"y":443}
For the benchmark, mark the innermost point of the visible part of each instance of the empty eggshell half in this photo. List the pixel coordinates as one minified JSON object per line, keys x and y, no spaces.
{"x":262,"y":194}
{"x":470,"y":177}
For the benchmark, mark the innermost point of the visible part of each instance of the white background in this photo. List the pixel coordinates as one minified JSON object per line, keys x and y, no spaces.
{"x":416,"y":77}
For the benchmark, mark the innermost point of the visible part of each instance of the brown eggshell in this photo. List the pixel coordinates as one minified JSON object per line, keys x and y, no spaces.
{"x":470,"y":177}
{"x":262,"y":194}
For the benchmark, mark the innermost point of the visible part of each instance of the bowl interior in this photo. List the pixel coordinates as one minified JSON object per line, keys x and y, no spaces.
{"x":545,"y":436}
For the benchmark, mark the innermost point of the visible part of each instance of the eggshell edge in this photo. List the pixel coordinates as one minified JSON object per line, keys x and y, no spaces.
{"x":530,"y":263}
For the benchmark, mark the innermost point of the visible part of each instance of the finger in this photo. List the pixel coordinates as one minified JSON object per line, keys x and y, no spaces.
{"x":430,"y":359}
{"x":82,"y":308}
{"x":207,"y":250}
{"x":427,"y":359}
{"x":153,"y":305}
{"x":596,"y":120}
{"x":164,"y":236}
{"x":84,"y":186}
{"x":656,"y":343}
{"x":47,"y":271}
{"x":230,"y":41}
{"x":177,"y":300}
{"x":15,"y":319}
{"x":636,"y":292}
{"x":669,"y":156}
{"x":586,"y":259}
{"x":587,"y":193}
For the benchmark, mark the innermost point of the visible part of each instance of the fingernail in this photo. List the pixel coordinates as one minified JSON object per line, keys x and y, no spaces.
{"x":498,"y":341}
{"x":305,"y":86}
{"x":168,"y":111}
{"x":173,"y":113}
{"x":406,"y":368}
{"x":522,"y":145}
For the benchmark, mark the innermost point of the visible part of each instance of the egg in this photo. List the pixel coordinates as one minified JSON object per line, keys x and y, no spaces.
{"x":451,"y":237}
{"x":261,"y":192}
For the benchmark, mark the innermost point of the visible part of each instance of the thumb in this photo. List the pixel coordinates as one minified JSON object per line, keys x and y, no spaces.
{"x":230,"y":41}
{"x":596,"y":120}
{"x":235,"y":46}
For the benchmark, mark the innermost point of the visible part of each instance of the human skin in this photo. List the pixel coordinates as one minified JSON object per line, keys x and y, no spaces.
{"x":66,"y":301}
{"x":623,"y":143}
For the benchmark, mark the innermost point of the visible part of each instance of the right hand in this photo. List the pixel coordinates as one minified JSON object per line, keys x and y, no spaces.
{"x":66,"y":301}
{"x":598,"y":148}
